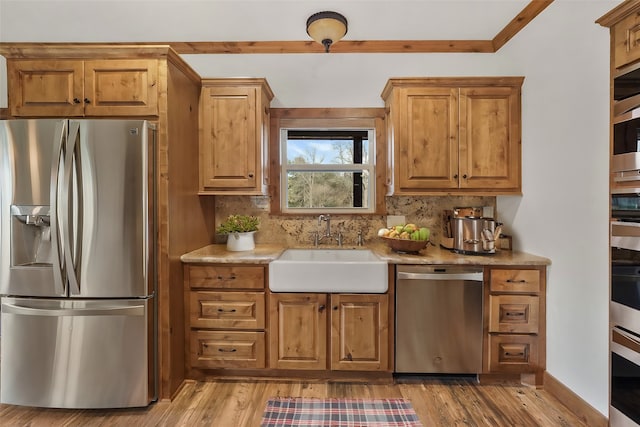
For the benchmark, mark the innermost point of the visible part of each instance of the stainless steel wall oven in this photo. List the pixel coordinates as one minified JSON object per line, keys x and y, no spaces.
{"x":624,"y":409}
{"x":626,"y":123}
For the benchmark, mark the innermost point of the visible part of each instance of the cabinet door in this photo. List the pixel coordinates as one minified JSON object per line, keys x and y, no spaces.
{"x":626,"y":39}
{"x":230,"y":138}
{"x":360,"y":332}
{"x":490,"y":138}
{"x":427,"y":139}
{"x":298,"y":331}
{"x":121,"y":87}
{"x":45,"y":88}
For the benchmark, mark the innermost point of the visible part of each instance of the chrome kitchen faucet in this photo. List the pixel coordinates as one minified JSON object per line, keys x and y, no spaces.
{"x":327,"y":233}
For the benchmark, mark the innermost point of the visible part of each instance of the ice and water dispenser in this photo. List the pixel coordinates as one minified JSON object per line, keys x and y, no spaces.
{"x":30,"y":236}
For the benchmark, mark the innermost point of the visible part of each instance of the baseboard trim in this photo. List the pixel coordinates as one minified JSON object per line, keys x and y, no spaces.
{"x":587,"y":413}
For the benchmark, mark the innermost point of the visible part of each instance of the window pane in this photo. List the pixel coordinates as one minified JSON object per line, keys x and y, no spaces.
{"x":327,"y":147}
{"x":327,"y":189}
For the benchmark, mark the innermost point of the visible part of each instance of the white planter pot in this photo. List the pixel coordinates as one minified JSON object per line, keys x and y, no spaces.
{"x":241,"y":241}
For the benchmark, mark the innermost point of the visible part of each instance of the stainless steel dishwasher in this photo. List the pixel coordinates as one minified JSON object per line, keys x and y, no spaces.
{"x":438,"y":319}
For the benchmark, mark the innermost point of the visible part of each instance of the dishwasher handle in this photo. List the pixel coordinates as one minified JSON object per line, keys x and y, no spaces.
{"x":403,"y":275}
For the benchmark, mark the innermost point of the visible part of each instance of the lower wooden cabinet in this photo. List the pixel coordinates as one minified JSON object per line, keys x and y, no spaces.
{"x":358,"y":334}
{"x":515,"y":320}
{"x":225,"y":316}
{"x":233,"y":322}
{"x":298,"y":326}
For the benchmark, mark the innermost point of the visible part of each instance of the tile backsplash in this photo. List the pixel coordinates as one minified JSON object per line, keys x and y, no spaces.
{"x":298,"y":230}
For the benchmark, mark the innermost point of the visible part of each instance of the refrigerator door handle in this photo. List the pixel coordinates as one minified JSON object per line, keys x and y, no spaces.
{"x":71,"y":230}
{"x":57,"y":253}
{"x":137,"y":310}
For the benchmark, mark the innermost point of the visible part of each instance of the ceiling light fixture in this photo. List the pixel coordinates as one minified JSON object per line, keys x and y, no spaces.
{"x":327,"y":28}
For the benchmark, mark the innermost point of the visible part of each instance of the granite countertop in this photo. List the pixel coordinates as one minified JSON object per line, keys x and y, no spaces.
{"x":265,"y":253}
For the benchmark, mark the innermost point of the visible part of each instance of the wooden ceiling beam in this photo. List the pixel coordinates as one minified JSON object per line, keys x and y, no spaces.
{"x":530,"y":11}
{"x":343,"y":46}
{"x":521,"y":20}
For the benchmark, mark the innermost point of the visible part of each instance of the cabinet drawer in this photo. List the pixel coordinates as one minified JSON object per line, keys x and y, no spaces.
{"x":513,"y":353}
{"x":506,"y":280}
{"x":227,"y":310}
{"x":226,"y":277}
{"x":514,"y":313}
{"x":213,"y":349}
{"x":626,"y":39}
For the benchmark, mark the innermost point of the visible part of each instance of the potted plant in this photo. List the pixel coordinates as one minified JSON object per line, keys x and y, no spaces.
{"x":240,"y":230}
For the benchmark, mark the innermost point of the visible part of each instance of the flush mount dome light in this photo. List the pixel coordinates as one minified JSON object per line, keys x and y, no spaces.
{"x":326,"y":28}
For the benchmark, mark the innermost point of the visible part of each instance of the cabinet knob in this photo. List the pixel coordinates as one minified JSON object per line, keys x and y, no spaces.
{"x":76,"y":101}
{"x":321,"y":308}
{"x":464,"y":176}
{"x":250,"y":175}
{"x":455,"y":176}
{"x":87,"y":101}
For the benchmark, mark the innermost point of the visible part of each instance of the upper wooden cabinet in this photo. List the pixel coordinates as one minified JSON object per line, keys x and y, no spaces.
{"x":454,"y":135}
{"x":77,"y":88}
{"x":624,"y":24}
{"x":234,"y":136}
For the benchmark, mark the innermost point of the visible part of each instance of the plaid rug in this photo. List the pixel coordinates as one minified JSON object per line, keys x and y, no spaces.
{"x":292,"y":411}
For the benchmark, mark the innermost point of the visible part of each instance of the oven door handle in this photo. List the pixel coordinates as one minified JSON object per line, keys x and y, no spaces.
{"x":625,"y":235}
{"x":625,"y":344}
{"x":629,"y":336}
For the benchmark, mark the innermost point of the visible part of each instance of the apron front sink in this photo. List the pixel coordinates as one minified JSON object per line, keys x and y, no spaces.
{"x":328,"y":270}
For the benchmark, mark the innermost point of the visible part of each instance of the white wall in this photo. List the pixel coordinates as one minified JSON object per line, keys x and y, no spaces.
{"x":564,"y":212}
{"x":562,"y":215}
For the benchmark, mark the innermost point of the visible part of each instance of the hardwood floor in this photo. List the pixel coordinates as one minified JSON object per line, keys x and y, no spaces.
{"x":438,"y":402}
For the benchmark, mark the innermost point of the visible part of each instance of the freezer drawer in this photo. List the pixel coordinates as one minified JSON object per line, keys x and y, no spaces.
{"x":77,"y":353}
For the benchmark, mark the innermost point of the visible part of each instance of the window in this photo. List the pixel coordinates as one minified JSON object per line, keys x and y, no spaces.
{"x":325,"y":160}
{"x":327,"y":170}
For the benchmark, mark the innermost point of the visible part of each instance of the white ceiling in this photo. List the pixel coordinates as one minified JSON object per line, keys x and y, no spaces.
{"x":241,"y":20}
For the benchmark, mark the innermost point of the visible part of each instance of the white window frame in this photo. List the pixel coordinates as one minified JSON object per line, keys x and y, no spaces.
{"x":369,"y":167}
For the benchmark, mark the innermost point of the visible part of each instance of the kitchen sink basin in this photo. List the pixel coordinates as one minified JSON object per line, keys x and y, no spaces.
{"x":328,"y":270}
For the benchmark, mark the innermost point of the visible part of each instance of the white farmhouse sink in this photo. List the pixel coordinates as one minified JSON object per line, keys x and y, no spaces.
{"x":328,"y":270}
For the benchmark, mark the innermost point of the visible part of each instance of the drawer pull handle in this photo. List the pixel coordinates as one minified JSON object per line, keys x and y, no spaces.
{"x":516,"y":281}
{"x":228,"y":278}
{"x":521,"y":354}
{"x":514,"y":314}
{"x":222,"y":310}
{"x":231,"y":350}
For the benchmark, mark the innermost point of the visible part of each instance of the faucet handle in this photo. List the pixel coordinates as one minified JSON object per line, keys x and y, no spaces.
{"x":360,"y":240}
{"x":316,"y":238}
{"x":339,"y":238}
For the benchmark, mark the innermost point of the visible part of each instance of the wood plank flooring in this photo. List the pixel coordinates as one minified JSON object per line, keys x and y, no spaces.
{"x":233,"y":403}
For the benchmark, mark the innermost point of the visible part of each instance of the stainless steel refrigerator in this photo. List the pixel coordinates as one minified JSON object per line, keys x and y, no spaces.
{"x":77,"y":263}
